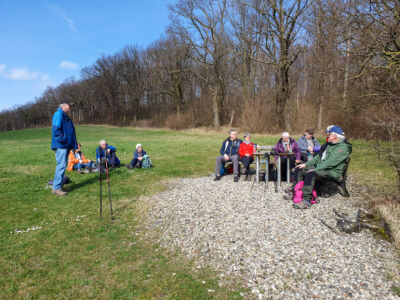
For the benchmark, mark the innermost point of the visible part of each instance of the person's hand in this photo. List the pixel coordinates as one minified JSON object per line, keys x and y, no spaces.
{"x":301,"y":166}
{"x":226,"y":156}
{"x":247,"y":155}
{"x":297,"y":161}
{"x":89,"y":161}
{"x":108,"y":151}
{"x":258,"y":147}
{"x":140,"y":158}
{"x":312,"y":170}
{"x":80,"y":161}
{"x":310,"y":149}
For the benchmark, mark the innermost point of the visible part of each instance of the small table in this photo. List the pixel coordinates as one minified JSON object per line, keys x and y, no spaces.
{"x":287,"y":167}
{"x":259,"y":162}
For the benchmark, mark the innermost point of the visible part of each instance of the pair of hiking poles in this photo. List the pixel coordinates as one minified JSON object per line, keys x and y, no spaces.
{"x":105,"y":162}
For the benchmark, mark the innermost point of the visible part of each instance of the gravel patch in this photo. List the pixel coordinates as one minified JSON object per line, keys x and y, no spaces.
{"x":277,"y":252}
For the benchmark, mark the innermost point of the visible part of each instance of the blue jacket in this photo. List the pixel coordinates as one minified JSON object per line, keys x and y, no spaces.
{"x":100,"y":152}
{"x":62,"y":131}
{"x":303,"y":145}
{"x":136,"y":154}
{"x":230,"y":147}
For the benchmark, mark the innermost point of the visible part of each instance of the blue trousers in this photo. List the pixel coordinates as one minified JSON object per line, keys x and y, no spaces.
{"x":61,"y":160}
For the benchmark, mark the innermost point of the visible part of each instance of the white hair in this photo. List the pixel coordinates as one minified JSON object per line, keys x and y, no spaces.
{"x":339,"y":136}
{"x":285,"y":134}
{"x":102,"y":141}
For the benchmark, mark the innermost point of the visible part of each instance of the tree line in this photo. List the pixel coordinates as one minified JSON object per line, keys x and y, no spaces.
{"x":263,"y":65}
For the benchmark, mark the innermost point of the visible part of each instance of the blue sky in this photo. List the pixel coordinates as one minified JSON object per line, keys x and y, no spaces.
{"x":44,"y":42}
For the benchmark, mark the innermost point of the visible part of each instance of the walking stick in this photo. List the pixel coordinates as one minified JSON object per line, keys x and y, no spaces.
{"x":101,"y":200}
{"x":109,"y":191}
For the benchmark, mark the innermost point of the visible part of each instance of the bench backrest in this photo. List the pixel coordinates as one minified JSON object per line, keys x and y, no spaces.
{"x":345,"y":168}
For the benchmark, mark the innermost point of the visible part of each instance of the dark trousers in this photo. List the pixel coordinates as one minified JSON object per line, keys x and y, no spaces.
{"x":247,"y":160}
{"x":135,"y":163}
{"x":284,"y":162}
{"x":309,"y":180}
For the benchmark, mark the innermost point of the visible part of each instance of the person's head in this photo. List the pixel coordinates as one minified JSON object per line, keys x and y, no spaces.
{"x":309,"y":134}
{"x":247,"y":137}
{"x":233,"y":134}
{"x":328,"y":129}
{"x":285,"y":137}
{"x":336,"y":134}
{"x":103,"y":144}
{"x":78,"y":147}
{"x":139,"y":148}
{"x":66,"y":107}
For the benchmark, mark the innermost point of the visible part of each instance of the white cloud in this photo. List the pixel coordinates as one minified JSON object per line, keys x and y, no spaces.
{"x":63,"y":15}
{"x":68,"y":65}
{"x":21,"y":74}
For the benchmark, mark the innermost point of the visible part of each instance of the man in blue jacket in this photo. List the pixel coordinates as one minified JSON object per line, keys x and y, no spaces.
{"x":62,"y":141}
{"x":229,"y":152}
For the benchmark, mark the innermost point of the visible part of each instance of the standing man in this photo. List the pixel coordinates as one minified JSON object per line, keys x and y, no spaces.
{"x":229,"y":152}
{"x":63,"y":140}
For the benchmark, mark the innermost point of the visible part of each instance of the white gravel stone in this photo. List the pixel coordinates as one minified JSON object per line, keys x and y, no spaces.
{"x":258,"y":237}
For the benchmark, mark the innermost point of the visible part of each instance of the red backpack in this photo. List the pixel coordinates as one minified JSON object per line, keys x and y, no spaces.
{"x":298,"y":193}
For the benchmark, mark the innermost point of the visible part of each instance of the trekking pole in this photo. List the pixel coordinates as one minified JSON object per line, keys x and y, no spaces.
{"x":101,"y":201}
{"x":109,"y":191}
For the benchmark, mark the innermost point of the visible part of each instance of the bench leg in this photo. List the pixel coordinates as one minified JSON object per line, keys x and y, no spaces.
{"x":344,"y":189}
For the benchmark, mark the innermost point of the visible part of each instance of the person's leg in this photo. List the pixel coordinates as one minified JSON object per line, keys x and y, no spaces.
{"x":220,"y":159}
{"x":309,"y":182}
{"x":134,"y":162}
{"x":284,"y":160}
{"x":235,"y":162}
{"x":112,"y":159}
{"x":62,"y":160}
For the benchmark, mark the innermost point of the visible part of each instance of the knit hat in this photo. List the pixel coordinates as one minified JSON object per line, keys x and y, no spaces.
{"x":138,"y":145}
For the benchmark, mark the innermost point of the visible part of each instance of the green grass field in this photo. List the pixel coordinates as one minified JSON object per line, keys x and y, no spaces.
{"x":76,"y":255}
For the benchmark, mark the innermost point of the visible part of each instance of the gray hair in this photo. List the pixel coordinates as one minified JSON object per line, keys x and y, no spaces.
{"x":339,"y":136}
{"x":232,"y":130}
{"x":246,"y":135}
{"x":102,"y":141}
{"x":285,"y":134}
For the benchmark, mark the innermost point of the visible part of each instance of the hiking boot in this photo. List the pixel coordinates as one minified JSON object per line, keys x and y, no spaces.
{"x":128,"y":166}
{"x":247,"y":178}
{"x":289,"y":189}
{"x":85,"y":171}
{"x":235,"y":178}
{"x":243,"y":171}
{"x":217,"y":178}
{"x":302,"y":205}
{"x":80,"y":171}
{"x":59,"y":192}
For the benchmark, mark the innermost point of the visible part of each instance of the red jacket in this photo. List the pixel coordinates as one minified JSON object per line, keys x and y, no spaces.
{"x":246,"y":149}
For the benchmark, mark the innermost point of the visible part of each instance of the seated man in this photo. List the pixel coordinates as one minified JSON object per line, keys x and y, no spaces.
{"x":137,"y":157}
{"x":328,"y":164}
{"x":287,"y":145}
{"x":77,"y":161}
{"x":107,"y":151}
{"x":229,"y":152}
{"x":308,"y":145}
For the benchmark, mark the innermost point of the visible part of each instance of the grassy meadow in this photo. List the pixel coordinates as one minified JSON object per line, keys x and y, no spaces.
{"x":74,"y":254}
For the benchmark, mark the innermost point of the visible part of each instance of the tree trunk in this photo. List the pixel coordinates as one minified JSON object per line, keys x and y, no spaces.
{"x":215,"y":107}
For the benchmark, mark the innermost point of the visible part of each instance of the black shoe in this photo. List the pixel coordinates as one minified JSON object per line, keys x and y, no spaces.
{"x":236,"y":178}
{"x":217,"y":178}
{"x":128,"y":166}
{"x":247,"y":178}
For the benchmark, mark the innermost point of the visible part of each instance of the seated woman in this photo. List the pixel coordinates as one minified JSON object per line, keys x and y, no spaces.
{"x":77,"y":161}
{"x":308,"y":145}
{"x":108,"y":152}
{"x":287,"y":145}
{"x":138,"y":156}
{"x":246,"y":151}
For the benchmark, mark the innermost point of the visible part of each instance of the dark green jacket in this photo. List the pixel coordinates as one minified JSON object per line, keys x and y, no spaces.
{"x":335,"y":159}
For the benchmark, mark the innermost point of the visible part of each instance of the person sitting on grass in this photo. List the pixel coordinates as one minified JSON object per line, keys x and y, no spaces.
{"x":308,"y":145}
{"x":108,"y":152}
{"x":246,"y":151}
{"x":77,"y":161}
{"x":327,"y":164}
{"x":229,"y":152}
{"x":138,"y":156}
